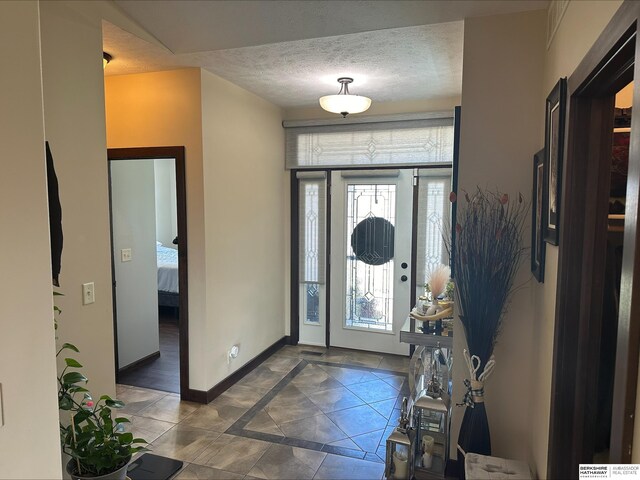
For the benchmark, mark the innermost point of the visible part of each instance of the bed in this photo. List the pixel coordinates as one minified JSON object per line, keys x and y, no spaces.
{"x":167,"y":276}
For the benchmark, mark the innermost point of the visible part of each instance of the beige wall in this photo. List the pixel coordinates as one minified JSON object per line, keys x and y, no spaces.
{"x":29,"y":439}
{"x":243,"y":144}
{"x":502,"y":118}
{"x":235,"y":200}
{"x":581,"y":25}
{"x":75,"y":129}
{"x":164,"y":109}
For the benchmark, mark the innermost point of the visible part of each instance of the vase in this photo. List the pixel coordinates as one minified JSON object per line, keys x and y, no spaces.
{"x":120,"y":474}
{"x":474,"y":434}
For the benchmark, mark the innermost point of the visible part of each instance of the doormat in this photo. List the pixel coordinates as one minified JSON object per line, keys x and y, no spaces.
{"x":310,"y":352}
{"x":153,"y":467}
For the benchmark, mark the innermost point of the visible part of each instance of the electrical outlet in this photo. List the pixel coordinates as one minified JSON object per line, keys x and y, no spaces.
{"x":88,"y":293}
{"x":125,"y":255}
{"x":233,"y":353}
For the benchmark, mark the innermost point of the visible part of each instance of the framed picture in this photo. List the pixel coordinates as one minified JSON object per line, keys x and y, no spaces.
{"x":538,"y":247}
{"x":554,"y":151}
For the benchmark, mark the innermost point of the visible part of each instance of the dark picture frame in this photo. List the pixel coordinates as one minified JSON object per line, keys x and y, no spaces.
{"x":554,"y":152}
{"x":538,"y":247}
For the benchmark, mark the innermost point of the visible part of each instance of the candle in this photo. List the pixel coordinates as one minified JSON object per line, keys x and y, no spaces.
{"x":427,"y":444}
{"x":401,"y":465}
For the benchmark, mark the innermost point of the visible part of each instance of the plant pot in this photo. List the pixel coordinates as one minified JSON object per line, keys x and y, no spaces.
{"x":120,"y":474}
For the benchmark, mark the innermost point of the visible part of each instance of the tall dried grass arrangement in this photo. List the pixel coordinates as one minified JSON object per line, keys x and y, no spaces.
{"x":487,"y":253}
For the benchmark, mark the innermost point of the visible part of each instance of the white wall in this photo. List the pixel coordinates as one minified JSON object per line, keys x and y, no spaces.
{"x":502,"y":121}
{"x":243,"y":146}
{"x":75,"y":125}
{"x":134,"y":227}
{"x":29,"y":439}
{"x":166,"y":201}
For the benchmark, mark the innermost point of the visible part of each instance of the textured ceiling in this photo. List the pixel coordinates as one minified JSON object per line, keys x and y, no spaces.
{"x":292,"y":52}
{"x":387,"y":65}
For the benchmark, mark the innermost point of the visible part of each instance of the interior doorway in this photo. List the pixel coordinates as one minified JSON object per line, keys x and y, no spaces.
{"x":581,"y":351}
{"x":149,"y":267}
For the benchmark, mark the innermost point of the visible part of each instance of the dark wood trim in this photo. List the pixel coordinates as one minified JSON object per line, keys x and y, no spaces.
{"x":201,"y":396}
{"x":581,"y":263}
{"x":327,"y":275}
{"x":116,"y":356}
{"x":139,"y":363}
{"x":628,"y":343}
{"x":294,"y":331}
{"x":178,"y":154}
{"x":454,"y":181}
{"x":451,"y":470}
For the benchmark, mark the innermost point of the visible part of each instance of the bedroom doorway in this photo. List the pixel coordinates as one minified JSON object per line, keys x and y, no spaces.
{"x":149,"y":267}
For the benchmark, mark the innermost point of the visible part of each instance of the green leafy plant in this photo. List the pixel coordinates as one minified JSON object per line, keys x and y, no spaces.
{"x":97,"y":443}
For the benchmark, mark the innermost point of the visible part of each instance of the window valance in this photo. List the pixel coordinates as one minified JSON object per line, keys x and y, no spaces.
{"x":371,"y":144}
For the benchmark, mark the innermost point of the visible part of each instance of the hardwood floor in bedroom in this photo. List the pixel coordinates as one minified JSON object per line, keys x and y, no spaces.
{"x":164,"y":372}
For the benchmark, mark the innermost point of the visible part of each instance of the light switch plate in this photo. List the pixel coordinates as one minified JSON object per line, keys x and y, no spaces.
{"x":88,"y":293}
{"x":125,"y":255}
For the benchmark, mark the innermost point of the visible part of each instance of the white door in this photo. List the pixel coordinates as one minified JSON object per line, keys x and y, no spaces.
{"x":371,"y":213}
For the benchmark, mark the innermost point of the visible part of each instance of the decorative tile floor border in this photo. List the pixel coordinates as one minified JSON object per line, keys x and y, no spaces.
{"x":238,"y":428}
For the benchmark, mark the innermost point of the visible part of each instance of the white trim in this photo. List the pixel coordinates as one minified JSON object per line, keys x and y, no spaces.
{"x":383,"y":173}
{"x":555,"y":13}
{"x":311,"y":175}
{"x":313,"y":344}
{"x":369,"y":330}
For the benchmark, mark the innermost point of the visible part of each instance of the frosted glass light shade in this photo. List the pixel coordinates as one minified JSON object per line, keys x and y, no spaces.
{"x":345,"y":104}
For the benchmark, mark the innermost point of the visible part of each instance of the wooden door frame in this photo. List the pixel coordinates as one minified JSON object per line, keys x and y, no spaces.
{"x":606,"y":68}
{"x":178,"y":154}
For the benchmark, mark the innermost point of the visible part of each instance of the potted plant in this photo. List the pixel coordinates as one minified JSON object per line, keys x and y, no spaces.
{"x":98,"y":445}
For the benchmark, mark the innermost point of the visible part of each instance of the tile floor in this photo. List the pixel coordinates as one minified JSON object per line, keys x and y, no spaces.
{"x":305,"y":413}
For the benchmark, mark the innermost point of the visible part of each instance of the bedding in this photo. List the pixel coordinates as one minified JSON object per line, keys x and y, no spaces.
{"x":167,"y":269}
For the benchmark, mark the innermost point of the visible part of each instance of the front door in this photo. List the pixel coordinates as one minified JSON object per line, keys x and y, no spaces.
{"x":371,"y":214}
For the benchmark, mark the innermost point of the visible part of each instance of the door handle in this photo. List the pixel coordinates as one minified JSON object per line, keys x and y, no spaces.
{"x":403,"y":278}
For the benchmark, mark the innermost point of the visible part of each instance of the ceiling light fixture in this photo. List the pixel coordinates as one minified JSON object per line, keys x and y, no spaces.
{"x":106,"y":58}
{"x":345,"y":103}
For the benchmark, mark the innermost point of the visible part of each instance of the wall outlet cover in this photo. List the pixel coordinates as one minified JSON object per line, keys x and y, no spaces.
{"x":88,"y":293}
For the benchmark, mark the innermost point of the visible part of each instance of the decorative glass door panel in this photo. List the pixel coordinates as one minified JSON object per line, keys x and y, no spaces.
{"x":312,"y":257}
{"x":369,"y":239}
{"x":370,"y":257}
